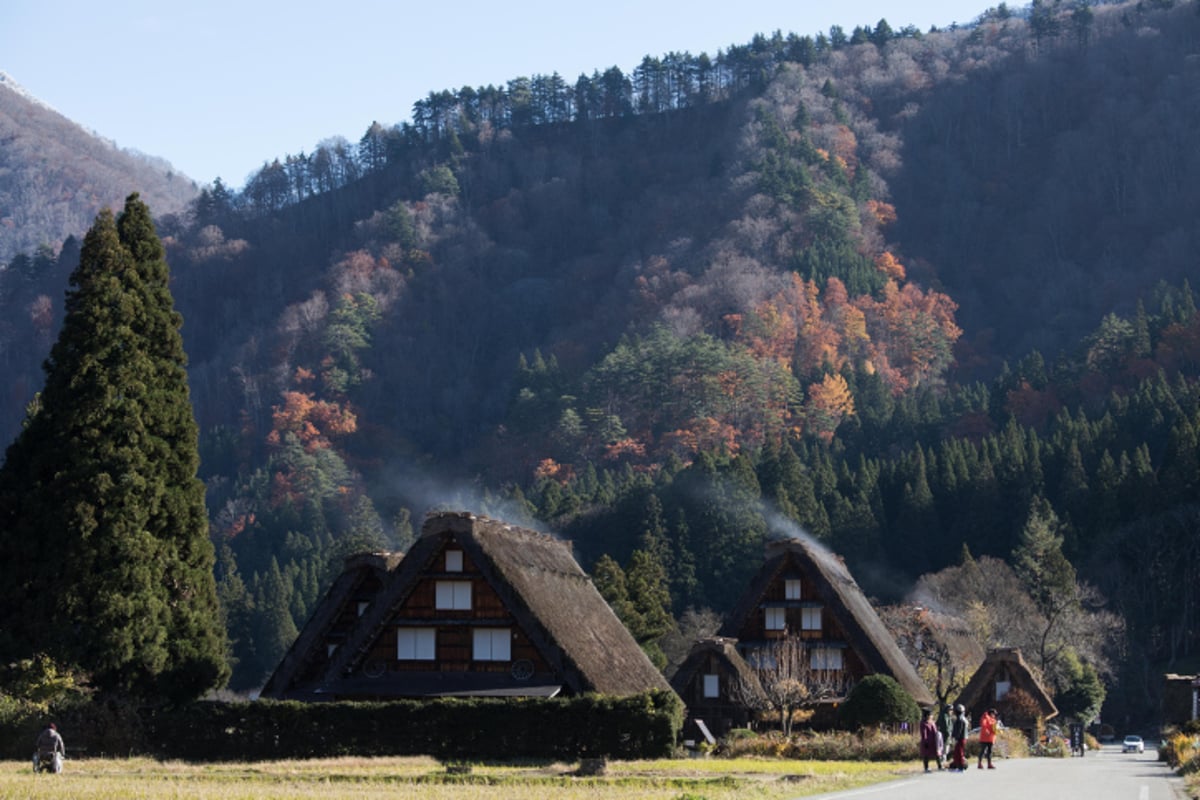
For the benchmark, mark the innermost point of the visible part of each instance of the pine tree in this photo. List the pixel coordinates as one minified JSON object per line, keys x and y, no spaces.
{"x":106,"y":561}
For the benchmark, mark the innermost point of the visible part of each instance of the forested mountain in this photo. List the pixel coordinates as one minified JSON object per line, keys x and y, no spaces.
{"x":55,"y":176}
{"x":672,"y":313}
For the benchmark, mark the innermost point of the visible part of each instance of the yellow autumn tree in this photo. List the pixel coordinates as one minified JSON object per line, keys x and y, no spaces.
{"x":829,"y":402}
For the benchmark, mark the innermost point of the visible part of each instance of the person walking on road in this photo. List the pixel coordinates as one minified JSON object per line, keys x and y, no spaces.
{"x":958,"y":733}
{"x":943,"y":726}
{"x":931,"y":741}
{"x":987,"y":737}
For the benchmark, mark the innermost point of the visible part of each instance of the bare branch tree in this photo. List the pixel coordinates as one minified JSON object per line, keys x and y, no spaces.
{"x":940,"y":647}
{"x":789,"y":675}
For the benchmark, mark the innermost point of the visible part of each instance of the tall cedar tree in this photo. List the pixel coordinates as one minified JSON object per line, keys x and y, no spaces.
{"x":105,"y":560}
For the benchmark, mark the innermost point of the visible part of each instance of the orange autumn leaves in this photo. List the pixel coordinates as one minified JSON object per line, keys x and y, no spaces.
{"x":906,"y":336}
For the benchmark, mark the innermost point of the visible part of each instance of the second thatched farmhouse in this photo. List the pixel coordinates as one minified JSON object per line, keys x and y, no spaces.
{"x":476,"y":608}
{"x":804,"y":596}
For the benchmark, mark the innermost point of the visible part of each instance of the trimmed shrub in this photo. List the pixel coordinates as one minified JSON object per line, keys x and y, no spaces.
{"x":878,"y":700}
{"x":641,"y":726}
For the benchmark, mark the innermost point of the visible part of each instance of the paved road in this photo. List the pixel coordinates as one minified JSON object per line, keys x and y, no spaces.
{"x":1104,"y":775}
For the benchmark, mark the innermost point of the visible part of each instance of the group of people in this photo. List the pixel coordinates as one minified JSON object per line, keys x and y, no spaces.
{"x":945,"y":739}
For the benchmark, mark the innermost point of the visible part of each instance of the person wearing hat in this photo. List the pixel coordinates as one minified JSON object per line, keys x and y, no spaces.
{"x":958,"y":732}
{"x":49,"y":751}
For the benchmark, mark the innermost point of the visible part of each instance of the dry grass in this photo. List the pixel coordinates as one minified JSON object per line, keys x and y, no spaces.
{"x":370,"y":778}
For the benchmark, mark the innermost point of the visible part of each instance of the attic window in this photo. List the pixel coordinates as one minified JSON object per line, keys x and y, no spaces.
{"x":1002,"y":689}
{"x":810,"y":619}
{"x":416,"y":644}
{"x":362,"y":607}
{"x":454,"y":561}
{"x":330,"y":649}
{"x":492,"y":644}
{"x":791,"y":589}
{"x":776,"y":619}
{"x":712,"y":686}
{"x":453,"y":596}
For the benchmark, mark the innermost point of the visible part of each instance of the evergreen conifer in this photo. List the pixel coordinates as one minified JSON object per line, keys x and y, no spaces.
{"x":105,"y":560}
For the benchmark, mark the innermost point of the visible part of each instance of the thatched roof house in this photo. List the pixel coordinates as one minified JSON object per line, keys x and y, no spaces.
{"x":804,"y":590}
{"x":1005,"y":682}
{"x":363,"y":576}
{"x":479,"y":607}
{"x":715,"y":682}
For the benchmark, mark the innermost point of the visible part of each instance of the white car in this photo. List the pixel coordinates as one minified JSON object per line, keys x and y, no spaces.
{"x":1133,"y":744}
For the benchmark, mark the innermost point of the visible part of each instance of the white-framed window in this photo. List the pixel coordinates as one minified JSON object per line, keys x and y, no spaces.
{"x":776,"y":619}
{"x":454,"y":561}
{"x":492,"y":644}
{"x":791,"y":589}
{"x":453,"y":596}
{"x":826,"y":658}
{"x":712,"y":686}
{"x":362,"y":607}
{"x":416,"y":644}
{"x":810,"y":619}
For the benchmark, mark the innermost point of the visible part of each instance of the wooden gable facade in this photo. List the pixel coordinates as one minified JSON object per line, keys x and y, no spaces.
{"x":714,"y":682}
{"x":805,"y":592}
{"x":482,"y":608}
{"x":352,"y":593}
{"x":1005,"y":682}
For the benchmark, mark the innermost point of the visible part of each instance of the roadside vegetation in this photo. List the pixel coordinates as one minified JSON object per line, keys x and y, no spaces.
{"x":1181,"y":750}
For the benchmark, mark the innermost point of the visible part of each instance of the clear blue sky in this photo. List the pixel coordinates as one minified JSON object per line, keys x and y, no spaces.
{"x":218,"y":87}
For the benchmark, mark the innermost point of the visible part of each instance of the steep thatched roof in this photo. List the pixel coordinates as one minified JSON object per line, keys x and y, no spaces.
{"x":980,"y":690}
{"x":551,"y":598}
{"x":726,"y":653}
{"x":362,"y":577}
{"x":865,"y":632}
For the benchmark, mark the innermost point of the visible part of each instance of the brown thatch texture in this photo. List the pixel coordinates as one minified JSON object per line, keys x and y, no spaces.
{"x":866,"y":633}
{"x":361,"y":577}
{"x":740,"y":692}
{"x":979,"y":692}
{"x":732,"y":666}
{"x":551,"y":598}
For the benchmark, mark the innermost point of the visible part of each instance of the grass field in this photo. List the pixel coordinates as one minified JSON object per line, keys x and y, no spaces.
{"x":330,"y":779}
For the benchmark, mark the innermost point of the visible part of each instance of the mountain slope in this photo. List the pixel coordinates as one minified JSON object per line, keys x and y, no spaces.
{"x":55,"y":176}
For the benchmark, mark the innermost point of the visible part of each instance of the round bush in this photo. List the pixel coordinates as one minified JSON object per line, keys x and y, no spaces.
{"x":878,"y":700}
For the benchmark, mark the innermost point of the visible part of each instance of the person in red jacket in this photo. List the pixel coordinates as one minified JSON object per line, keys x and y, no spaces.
{"x":987,"y":737}
{"x":931,"y":741}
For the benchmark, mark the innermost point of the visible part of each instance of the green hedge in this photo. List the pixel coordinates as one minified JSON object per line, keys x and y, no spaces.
{"x":641,"y":726}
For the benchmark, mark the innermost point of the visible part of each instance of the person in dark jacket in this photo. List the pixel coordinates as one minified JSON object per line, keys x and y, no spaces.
{"x":958,"y":732}
{"x":49,"y":750}
{"x":931,"y":741}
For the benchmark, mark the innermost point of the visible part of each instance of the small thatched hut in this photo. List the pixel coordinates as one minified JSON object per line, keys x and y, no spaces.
{"x":482,"y":608}
{"x":363,"y":576}
{"x":715,"y":683}
{"x":1005,"y":682}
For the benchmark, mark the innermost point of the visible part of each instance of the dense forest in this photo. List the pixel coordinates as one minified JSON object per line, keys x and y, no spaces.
{"x":923,"y":296}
